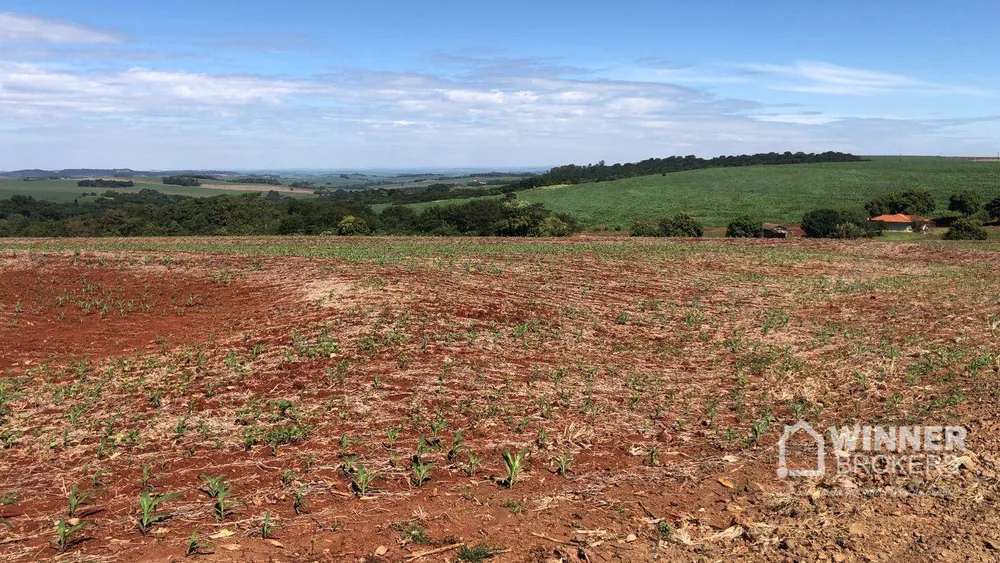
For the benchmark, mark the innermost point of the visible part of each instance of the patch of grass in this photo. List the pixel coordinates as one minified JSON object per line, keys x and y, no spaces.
{"x":478,"y":552}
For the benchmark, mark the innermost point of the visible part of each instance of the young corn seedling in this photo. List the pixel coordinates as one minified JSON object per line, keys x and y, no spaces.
{"x":148,"y":504}
{"x":218,"y":488}
{"x":474,"y":462}
{"x":437,"y":426}
{"x":146,"y":481}
{"x":268,"y":526}
{"x":758,"y":429}
{"x":288,"y":477}
{"x":65,"y":532}
{"x":299,"y":505}
{"x":345,"y":444}
{"x":653,"y":456}
{"x":195,"y":546}
{"x":391,"y":435}
{"x":421,"y":473}
{"x":562,"y":463}
{"x":422,"y":448}
{"x":513,"y":464}
{"x":78,"y":498}
{"x":456,"y":446}
{"x":543,"y":439}
{"x":362,"y":479}
{"x":98,"y":477}
{"x":350,"y":463}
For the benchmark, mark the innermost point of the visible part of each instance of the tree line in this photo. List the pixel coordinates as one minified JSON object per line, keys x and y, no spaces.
{"x":181,"y":180}
{"x":601,"y":172}
{"x":396,"y":196}
{"x":265,"y":180}
{"x":150,"y":213}
{"x":102,"y":183}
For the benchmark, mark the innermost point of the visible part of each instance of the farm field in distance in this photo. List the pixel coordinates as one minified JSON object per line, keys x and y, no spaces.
{"x":359,"y":395}
{"x":66,"y":190}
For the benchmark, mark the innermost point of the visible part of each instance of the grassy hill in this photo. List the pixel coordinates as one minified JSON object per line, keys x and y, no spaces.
{"x":774,"y":193}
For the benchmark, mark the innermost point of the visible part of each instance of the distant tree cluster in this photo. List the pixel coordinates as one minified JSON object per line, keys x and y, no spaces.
{"x":265,"y":180}
{"x":102,"y":183}
{"x":834,"y":223}
{"x":909,"y":202}
{"x":495,"y":174}
{"x":182,"y":180}
{"x":150,"y":213}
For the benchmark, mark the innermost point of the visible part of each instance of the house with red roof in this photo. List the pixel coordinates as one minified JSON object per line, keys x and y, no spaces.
{"x":901,"y":223}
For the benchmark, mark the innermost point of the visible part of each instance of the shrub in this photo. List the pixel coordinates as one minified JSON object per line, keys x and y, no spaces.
{"x":553,"y":226}
{"x":744,"y":227}
{"x":351,"y":225}
{"x":681,"y":225}
{"x":849,"y":230}
{"x":645,"y":228}
{"x":966,"y":229}
{"x":965,"y":202}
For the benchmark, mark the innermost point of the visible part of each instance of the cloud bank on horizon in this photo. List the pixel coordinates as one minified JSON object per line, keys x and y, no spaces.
{"x":74,"y":94}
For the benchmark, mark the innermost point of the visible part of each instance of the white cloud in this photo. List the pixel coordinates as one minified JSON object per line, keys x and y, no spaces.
{"x":25,"y":28}
{"x":825,"y":78}
{"x":212,"y":89}
{"x":796,"y":118}
{"x":168,"y":118}
{"x":474,"y":96}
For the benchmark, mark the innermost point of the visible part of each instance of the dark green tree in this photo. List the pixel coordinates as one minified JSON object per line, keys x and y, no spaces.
{"x":915,"y":201}
{"x":993,"y":209}
{"x":965,"y":202}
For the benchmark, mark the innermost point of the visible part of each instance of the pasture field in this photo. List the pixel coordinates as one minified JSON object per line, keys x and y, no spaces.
{"x":779,"y":194}
{"x":354,"y":399}
{"x":63,"y":191}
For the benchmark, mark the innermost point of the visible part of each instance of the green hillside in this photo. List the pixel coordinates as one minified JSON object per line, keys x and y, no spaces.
{"x":774,"y":193}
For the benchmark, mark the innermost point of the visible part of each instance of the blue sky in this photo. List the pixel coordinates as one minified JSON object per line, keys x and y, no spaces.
{"x":311,"y":84}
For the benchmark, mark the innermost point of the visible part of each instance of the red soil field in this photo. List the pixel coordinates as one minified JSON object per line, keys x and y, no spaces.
{"x":663,"y":374}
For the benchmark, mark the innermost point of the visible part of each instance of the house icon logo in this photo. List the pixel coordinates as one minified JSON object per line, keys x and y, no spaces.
{"x":783,"y":471}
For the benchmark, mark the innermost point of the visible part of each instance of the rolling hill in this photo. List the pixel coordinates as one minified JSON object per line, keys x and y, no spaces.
{"x":773,"y":193}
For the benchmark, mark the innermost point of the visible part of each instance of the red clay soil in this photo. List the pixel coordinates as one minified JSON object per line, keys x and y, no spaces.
{"x":86,"y":311}
{"x":665,"y":380}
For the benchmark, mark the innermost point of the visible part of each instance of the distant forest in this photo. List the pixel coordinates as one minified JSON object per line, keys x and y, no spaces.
{"x":150,"y":213}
